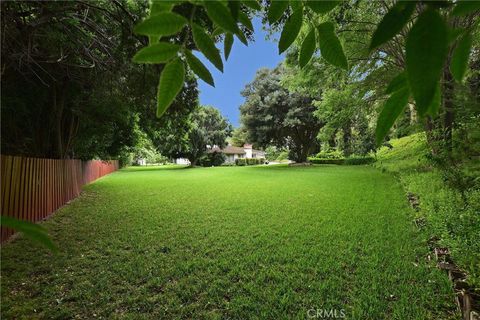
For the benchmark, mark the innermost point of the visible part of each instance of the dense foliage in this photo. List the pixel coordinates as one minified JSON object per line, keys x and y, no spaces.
{"x":272,"y":115}
{"x":207,"y":130}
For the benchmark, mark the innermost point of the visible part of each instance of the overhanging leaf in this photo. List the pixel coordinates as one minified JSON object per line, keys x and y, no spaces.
{"x":290,"y":30}
{"x":245,"y":20}
{"x":160,"y":6}
{"x":399,"y":82}
{"x":426,"y":51}
{"x":161,"y":24}
{"x":330,"y":46}
{"x":221,"y":16}
{"x":465,"y":7}
{"x":322,"y":7}
{"x":156,"y":53}
{"x":234,"y":6}
{"x":392,"y":23}
{"x":242,"y":37}
{"x":170,"y":84}
{"x":307,"y":49}
{"x":392,"y":109}
{"x":276,"y":10}
{"x":199,"y":68}
{"x":459,"y":62}
{"x":206,"y":45}
{"x":296,"y":5}
{"x":30,"y":230}
{"x":227,"y":45}
{"x":252,"y":4}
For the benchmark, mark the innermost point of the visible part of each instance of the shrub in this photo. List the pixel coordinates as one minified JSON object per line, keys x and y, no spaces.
{"x":359,"y":160}
{"x":348,"y":161}
{"x":326,"y":161}
{"x":283,"y":156}
{"x":241,"y":162}
{"x":212,"y":159}
{"x":330,"y":154}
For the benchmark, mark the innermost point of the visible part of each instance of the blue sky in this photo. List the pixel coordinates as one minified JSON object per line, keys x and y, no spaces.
{"x":238,"y":70}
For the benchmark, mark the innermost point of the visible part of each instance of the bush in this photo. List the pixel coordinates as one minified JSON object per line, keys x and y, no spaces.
{"x":212,"y":159}
{"x":249,"y":161}
{"x":348,"y":161}
{"x":241,"y":162}
{"x":282,"y":156}
{"x":326,"y":161}
{"x":331,"y":154}
{"x":359,"y":160}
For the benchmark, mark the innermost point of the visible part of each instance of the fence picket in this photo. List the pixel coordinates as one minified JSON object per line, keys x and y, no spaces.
{"x":34,"y":188}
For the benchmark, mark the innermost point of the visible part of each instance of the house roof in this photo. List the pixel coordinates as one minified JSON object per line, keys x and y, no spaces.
{"x":229,"y":150}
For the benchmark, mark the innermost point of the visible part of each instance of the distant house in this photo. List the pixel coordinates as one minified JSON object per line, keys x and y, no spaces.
{"x":232,"y":153}
{"x":182,"y":161}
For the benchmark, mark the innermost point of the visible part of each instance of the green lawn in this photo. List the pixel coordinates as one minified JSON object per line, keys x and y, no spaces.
{"x":230,"y":242}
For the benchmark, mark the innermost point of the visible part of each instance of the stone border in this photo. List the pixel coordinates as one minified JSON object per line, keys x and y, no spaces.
{"x":466,"y":297}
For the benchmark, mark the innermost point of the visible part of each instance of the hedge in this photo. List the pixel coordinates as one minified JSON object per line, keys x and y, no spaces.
{"x":347,"y":161}
{"x":358,"y":160}
{"x":249,"y":161}
{"x":326,"y":161}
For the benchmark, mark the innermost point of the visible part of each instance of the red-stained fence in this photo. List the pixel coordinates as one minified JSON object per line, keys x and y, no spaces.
{"x":33,"y":188}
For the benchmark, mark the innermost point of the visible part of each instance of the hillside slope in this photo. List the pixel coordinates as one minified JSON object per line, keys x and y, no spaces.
{"x":451,"y":216}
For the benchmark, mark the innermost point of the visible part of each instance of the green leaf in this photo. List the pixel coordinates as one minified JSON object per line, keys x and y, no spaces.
{"x":242,"y":37}
{"x":227,"y":43}
{"x":217,"y":31}
{"x":245,"y":20}
{"x":276,"y":10}
{"x":330,"y":46}
{"x":290,"y":30}
{"x":234,"y":6}
{"x":160,"y":6}
{"x":392,"y":23}
{"x":426,"y":51}
{"x":252,"y":4}
{"x":390,"y":112}
{"x":308,"y":48}
{"x":161,"y":24}
{"x":399,"y":82}
{"x":170,"y":84}
{"x":459,"y":62}
{"x":464,"y":7}
{"x":199,"y":68}
{"x":206,"y":45}
{"x":156,"y":53}
{"x":322,"y":7}
{"x":30,"y":230}
{"x":221,"y":16}
{"x":296,"y":5}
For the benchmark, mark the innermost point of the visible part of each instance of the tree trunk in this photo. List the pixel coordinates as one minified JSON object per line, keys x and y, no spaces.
{"x":449,"y":117}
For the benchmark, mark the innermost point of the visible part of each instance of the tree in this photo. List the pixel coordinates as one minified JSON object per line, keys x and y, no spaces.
{"x":272,"y":115}
{"x":427,"y":41}
{"x":208,"y":129}
{"x":55,"y":57}
{"x":239,"y":137}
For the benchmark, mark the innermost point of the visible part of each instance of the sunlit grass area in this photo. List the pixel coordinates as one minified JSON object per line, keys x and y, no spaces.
{"x":230,"y":242}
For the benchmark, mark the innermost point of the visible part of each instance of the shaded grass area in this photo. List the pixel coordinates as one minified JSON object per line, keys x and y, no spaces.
{"x":450,"y":216}
{"x":228,"y":242}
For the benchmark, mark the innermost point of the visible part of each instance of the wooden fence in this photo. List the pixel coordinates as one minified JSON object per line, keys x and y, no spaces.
{"x":33,"y":188}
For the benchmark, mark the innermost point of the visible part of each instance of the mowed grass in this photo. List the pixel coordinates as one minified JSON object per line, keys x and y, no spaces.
{"x":230,"y":243}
